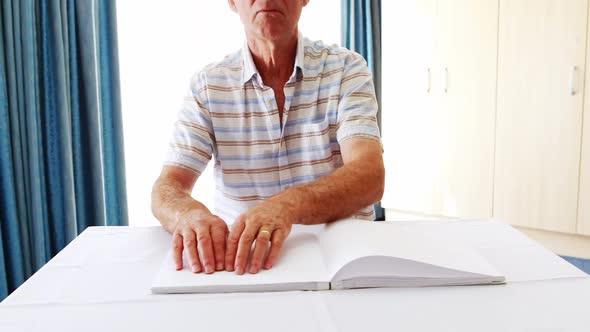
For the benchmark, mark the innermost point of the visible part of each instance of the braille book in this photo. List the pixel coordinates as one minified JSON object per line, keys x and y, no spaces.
{"x":345,"y":254}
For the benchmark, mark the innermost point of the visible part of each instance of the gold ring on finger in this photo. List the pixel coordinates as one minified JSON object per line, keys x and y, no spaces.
{"x":264,"y":233}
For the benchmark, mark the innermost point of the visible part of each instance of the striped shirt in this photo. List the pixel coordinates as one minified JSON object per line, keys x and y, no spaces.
{"x":229,"y":113}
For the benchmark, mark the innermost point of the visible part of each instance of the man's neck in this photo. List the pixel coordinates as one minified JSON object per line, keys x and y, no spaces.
{"x":274,"y":59}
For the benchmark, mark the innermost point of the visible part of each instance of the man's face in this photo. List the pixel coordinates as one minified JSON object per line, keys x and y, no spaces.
{"x":269,"y":19}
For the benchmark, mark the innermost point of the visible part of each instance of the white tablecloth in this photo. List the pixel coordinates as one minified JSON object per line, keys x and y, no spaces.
{"x":101,"y":282}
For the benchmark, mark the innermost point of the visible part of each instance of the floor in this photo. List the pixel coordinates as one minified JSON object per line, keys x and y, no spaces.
{"x":582,"y":264}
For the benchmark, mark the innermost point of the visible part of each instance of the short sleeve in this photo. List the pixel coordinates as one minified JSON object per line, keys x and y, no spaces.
{"x":192,"y":142}
{"x":357,"y":109}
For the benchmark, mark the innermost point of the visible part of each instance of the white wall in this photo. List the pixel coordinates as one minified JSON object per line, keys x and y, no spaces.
{"x":160,"y":48}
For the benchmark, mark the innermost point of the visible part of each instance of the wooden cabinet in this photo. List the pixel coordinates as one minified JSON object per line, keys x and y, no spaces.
{"x":486,"y":111}
{"x":465,"y":120}
{"x":584,"y":200}
{"x":541,"y":58}
{"x":438,"y":112}
{"x":583,"y":226}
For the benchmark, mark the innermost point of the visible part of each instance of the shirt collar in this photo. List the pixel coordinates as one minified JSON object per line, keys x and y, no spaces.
{"x":300,"y":55}
{"x":249,"y":68}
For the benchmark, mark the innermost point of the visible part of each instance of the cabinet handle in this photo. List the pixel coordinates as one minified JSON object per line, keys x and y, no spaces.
{"x":446,"y":79}
{"x":429,"y":80}
{"x":572,"y":77}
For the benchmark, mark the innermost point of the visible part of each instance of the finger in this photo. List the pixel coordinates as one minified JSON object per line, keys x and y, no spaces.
{"x":205,"y":246}
{"x":260,"y":248}
{"x":232,"y":244}
{"x":190,"y":246}
{"x":177,"y":250}
{"x":278,"y":238}
{"x":244,"y":247}
{"x":218,"y":235}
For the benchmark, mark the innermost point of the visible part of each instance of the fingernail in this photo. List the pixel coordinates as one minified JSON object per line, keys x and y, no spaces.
{"x":229,"y":267}
{"x":219,"y":266}
{"x":253,"y":271}
{"x":208,"y":268}
{"x":240,"y":270}
{"x":196,"y":269}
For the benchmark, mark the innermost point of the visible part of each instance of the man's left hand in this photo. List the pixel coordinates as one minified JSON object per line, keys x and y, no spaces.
{"x":267,"y":223}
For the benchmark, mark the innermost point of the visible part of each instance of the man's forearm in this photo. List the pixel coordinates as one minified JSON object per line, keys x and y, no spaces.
{"x":169,"y":203}
{"x":338,"y":195}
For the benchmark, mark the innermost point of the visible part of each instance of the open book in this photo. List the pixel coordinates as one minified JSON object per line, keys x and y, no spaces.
{"x":345,"y":254}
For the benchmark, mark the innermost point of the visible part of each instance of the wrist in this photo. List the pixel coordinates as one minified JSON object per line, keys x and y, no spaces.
{"x":191,"y":213}
{"x":289,"y":207}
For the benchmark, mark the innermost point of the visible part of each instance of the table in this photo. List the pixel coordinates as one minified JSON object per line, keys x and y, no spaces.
{"x":101,"y":281}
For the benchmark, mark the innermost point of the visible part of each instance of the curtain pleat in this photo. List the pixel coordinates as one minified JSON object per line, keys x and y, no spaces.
{"x":116,"y":205}
{"x":90,"y":168}
{"x":10,"y":272}
{"x":31,"y":127}
{"x":57,"y":129}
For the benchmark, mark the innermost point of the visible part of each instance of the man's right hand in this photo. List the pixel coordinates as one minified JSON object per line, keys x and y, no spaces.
{"x":203,"y":237}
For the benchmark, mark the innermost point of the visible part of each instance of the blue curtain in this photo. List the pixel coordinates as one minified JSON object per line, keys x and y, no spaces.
{"x":61,"y":144}
{"x":361,"y":32}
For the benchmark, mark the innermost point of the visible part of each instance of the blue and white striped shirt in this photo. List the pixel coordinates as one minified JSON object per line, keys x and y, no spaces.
{"x":230,"y":114}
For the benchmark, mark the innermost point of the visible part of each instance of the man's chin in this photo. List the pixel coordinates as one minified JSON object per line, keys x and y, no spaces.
{"x":274,"y":31}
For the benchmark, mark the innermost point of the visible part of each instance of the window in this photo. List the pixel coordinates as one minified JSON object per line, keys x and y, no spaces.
{"x":160,"y":47}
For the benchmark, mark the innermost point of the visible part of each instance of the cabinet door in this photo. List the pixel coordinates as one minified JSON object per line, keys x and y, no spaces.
{"x":538,"y":123}
{"x":409,"y":51}
{"x":584,"y":199}
{"x":464,"y":133}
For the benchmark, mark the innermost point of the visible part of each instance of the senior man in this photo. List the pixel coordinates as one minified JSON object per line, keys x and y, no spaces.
{"x":292,"y":125}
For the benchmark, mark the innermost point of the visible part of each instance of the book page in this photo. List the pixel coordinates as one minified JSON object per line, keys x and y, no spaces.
{"x":300,"y":266}
{"x":344,"y":241}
